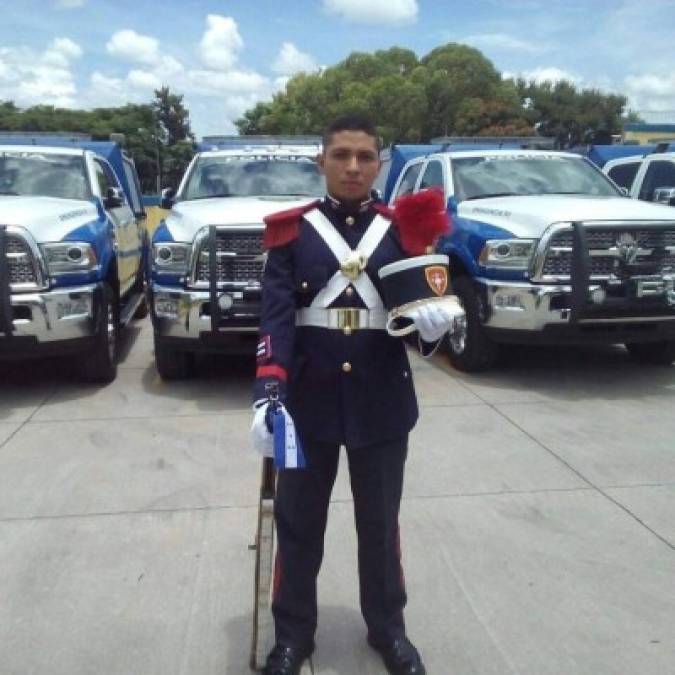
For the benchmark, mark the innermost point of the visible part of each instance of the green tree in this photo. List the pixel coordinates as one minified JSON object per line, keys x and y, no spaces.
{"x":571,"y":116}
{"x":411,"y":99}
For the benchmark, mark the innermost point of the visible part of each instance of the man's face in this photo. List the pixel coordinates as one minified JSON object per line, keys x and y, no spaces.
{"x":350,"y":163}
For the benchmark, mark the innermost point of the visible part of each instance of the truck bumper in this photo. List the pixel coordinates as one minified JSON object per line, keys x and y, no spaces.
{"x":183,"y":317}
{"x":525,"y":312}
{"x":50,"y":322}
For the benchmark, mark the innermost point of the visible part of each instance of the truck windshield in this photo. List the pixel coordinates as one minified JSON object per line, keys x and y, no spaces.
{"x":259,"y":176}
{"x":43,"y":175}
{"x":508,"y":175}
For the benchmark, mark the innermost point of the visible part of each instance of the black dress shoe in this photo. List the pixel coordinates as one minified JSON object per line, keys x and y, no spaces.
{"x":284,"y":660}
{"x":399,"y":656}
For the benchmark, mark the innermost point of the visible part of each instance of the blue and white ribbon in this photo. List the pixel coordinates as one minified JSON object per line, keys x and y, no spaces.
{"x":287,"y":447}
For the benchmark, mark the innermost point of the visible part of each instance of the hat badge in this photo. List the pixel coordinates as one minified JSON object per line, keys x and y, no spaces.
{"x":437,"y":278}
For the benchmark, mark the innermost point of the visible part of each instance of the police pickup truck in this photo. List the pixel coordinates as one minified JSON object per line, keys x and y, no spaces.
{"x":544,"y":248}
{"x":71,"y":250}
{"x":207,"y":256}
{"x":649,"y":177}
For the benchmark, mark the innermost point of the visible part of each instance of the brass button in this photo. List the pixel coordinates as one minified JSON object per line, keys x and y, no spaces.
{"x":350,"y":220}
{"x":349,"y":291}
{"x":347,"y":367}
{"x":304,"y":285}
{"x":347,"y":330}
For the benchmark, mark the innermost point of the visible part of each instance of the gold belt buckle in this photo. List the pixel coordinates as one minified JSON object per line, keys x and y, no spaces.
{"x":349,"y":318}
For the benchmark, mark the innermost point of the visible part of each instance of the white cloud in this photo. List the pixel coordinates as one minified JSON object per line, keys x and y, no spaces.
{"x":132,"y":46}
{"x":291,"y":61}
{"x":61,"y":52}
{"x":501,"y":41}
{"x":221,"y":42}
{"x":30,"y":78}
{"x":650,"y":92}
{"x":550,"y":74}
{"x":142,"y":79}
{"x":70,"y":4}
{"x":374,"y":11}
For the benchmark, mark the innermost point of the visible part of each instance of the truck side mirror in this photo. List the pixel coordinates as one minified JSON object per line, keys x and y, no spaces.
{"x":168,"y":198}
{"x":114,"y":197}
{"x":664,"y":195}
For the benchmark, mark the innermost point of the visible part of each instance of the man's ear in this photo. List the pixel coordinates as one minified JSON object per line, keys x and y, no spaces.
{"x":320,"y":163}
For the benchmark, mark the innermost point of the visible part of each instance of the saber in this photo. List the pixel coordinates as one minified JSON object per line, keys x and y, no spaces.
{"x":261,"y":641}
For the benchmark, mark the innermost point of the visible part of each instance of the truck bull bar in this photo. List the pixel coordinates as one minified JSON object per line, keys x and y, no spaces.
{"x":6,"y":312}
{"x":580,"y":273}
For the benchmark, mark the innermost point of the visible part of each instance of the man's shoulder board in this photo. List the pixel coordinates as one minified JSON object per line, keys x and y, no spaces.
{"x":384,"y":210}
{"x":284,"y":226}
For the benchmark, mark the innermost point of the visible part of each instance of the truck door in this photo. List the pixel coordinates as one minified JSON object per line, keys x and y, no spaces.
{"x":660,"y":173}
{"x":623,"y":174}
{"x":124,"y":224}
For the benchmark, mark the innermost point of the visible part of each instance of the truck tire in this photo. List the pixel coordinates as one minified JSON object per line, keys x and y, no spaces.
{"x":472,"y":351}
{"x":100,"y":363}
{"x":172,"y":363}
{"x":653,"y":353}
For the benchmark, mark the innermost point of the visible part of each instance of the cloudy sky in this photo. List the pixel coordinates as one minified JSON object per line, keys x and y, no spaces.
{"x":224,"y":55}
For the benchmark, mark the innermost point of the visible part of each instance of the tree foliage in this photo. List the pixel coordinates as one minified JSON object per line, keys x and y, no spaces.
{"x":559,"y":110}
{"x":157,"y":134}
{"x":452,"y":91}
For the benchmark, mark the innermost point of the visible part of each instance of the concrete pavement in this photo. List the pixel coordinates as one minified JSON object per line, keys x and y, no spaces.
{"x":537,"y":521}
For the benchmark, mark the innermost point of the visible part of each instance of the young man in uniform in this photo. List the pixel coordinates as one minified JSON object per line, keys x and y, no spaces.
{"x":344,"y":381}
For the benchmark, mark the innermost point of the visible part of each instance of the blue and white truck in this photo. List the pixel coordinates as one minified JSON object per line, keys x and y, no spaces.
{"x":72,"y":249}
{"x":207,"y":256}
{"x":544,"y":248}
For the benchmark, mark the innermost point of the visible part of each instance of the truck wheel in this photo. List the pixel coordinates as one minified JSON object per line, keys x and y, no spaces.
{"x":654,"y":353}
{"x":470,"y":350}
{"x":172,"y":363}
{"x":100,"y":363}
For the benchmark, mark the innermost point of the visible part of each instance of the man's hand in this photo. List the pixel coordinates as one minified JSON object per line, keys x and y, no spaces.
{"x":261,"y":434}
{"x":434,"y":319}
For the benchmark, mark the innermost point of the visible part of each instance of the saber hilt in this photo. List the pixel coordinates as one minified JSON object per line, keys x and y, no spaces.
{"x":272,"y":391}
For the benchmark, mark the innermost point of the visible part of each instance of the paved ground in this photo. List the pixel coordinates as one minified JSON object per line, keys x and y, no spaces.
{"x":538,"y":521}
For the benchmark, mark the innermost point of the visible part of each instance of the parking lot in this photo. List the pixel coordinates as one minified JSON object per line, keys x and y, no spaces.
{"x":537,"y":521}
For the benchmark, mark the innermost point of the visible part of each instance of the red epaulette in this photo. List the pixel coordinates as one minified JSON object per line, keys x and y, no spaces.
{"x":284,"y":226}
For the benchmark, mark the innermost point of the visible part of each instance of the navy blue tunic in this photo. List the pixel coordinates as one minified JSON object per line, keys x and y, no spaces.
{"x":352,"y":389}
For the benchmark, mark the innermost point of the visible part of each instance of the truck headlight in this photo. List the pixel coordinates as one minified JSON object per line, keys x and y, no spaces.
{"x":69,"y":256}
{"x":507,"y":253}
{"x":170,"y":257}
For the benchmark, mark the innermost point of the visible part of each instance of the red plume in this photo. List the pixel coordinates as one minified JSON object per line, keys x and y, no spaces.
{"x":421,"y":219}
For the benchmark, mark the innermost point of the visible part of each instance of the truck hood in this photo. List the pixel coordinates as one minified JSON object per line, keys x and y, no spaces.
{"x":187,"y":217}
{"x":46,"y":218}
{"x":530,"y":216}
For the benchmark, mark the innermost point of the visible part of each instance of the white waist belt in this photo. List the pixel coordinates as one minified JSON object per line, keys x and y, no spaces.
{"x":351,"y":318}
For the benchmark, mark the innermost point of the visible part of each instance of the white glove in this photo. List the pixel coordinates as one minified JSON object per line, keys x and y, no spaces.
{"x":434,"y":319}
{"x":262,"y":438}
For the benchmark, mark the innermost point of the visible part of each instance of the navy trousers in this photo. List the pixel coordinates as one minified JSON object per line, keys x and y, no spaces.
{"x":301,"y":510}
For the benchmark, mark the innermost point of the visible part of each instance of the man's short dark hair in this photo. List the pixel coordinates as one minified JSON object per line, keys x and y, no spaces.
{"x":351,"y":123}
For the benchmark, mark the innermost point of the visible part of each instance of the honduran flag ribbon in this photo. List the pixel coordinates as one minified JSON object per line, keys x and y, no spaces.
{"x":287,"y":447}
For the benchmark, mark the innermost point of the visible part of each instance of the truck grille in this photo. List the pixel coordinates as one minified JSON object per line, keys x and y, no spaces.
{"x":20,"y":261}
{"x":239,"y":257}
{"x":619,"y":252}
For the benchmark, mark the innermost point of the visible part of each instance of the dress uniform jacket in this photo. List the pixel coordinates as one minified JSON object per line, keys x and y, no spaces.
{"x":351,"y":387}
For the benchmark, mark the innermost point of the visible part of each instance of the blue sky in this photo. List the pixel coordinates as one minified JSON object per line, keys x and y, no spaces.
{"x":224,"y":55}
